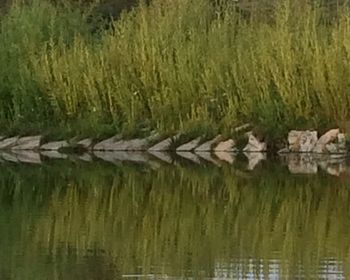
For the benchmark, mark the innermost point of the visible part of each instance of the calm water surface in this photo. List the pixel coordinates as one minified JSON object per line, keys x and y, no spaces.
{"x":67,"y":220}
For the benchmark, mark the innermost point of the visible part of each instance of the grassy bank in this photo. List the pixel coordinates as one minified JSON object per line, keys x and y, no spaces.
{"x":173,"y":65}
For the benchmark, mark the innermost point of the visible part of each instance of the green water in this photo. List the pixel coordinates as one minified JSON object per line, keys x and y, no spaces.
{"x":67,"y":220}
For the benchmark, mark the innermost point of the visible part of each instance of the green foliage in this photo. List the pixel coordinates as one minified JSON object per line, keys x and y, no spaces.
{"x":173,"y":66}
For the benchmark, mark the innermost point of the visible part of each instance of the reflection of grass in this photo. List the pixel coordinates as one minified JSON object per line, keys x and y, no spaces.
{"x":173,"y":65}
{"x":175,"y":219}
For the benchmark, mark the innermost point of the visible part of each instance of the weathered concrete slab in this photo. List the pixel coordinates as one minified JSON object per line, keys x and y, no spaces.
{"x":133,"y":145}
{"x":54,"y":146}
{"x":189,"y":156}
{"x":327,"y":138}
{"x":8,"y":143}
{"x":302,"y":141}
{"x":122,"y":145}
{"x":28,"y":143}
{"x":163,"y":156}
{"x":85,"y":143}
{"x":107,"y":145}
{"x":226,"y":146}
{"x":189,"y":146}
{"x":208,"y":145}
{"x":254,"y":145}
{"x":162,"y":146}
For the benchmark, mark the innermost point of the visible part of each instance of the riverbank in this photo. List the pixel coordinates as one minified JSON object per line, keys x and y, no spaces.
{"x":304,"y":151}
{"x":191,"y":67}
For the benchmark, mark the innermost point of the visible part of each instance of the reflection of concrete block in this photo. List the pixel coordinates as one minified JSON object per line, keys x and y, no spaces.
{"x":208,"y":157}
{"x":254,"y":159}
{"x":163,"y":156}
{"x":207,"y":146}
{"x":28,"y":156}
{"x":53,"y":154}
{"x":302,"y":164}
{"x":190,"y":156}
{"x":225,"y":156}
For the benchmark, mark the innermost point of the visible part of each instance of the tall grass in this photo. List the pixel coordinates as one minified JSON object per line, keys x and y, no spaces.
{"x":174,"y":65}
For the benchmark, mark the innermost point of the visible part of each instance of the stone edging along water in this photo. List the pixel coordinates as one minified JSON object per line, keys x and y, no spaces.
{"x":304,"y":154}
{"x":332,"y":142}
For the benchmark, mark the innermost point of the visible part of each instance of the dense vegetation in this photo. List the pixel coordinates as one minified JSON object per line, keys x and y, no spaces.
{"x":173,"y":65}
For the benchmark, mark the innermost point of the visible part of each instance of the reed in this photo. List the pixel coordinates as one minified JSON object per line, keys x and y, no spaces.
{"x":173,"y":65}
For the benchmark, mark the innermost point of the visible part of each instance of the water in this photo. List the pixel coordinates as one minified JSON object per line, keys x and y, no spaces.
{"x":74,"y":220}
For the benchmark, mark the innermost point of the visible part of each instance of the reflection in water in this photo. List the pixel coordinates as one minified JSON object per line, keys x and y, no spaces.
{"x":98,"y":221}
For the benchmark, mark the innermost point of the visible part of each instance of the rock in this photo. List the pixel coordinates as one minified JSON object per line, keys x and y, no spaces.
{"x":27,"y":156}
{"x":54,"y":146}
{"x":226,"y":146}
{"x":207,"y":146}
{"x":189,"y":146}
{"x":8,"y":143}
{"x":225,"y":156}
{"x":115,"y":144}
{"x":338,"y":147}
{"x":162,"y":146}
{"x":130,"y":145}
{"x":190,"y":156}
{"x":326,"y":139}
{"x":107,"y":145}
{"x":137,"y":145}
{"x":254,"y":145}
{"x":163,"y":156}
{"x":28,"y":143}
{"x":85,"y":143}
{"x":342,"y":143}
{"x":302,"y":141}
